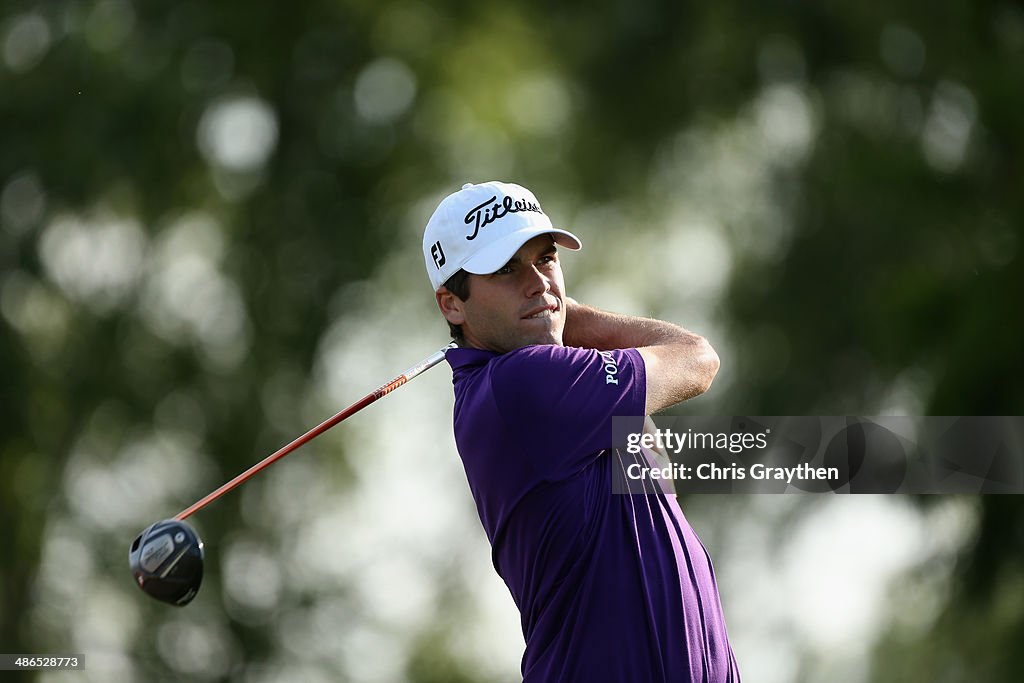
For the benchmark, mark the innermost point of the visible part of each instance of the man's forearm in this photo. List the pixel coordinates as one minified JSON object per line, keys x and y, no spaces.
{"x":678,"y":363}
{"x":591,"y":328}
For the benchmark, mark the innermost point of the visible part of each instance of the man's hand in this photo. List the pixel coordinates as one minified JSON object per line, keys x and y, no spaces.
{"x":679,"y":363}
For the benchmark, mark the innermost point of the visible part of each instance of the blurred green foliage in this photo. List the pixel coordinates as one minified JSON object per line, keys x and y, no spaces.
{"x":877,"y":267}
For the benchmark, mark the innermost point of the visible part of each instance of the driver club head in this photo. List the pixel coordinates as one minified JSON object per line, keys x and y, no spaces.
{"x":167,"y":562}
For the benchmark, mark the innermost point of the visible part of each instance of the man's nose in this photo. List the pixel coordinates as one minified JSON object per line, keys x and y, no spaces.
{"x":537,"y":283}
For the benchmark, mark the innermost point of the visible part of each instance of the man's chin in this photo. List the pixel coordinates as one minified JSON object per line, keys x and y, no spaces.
{"x":550,"y":337}
{"x":553,"y":337}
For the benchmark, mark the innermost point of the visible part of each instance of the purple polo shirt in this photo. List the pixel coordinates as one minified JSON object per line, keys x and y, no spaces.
{"x":610,"y":587}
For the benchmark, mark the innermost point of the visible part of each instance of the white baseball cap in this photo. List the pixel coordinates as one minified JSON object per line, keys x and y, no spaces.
{"x":480,"y":227}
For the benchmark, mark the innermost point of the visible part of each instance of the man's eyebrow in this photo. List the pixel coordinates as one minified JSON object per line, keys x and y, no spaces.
{"x":552,"y":249}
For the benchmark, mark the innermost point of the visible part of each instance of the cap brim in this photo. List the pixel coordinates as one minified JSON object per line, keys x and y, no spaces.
{"x":496,"y":255}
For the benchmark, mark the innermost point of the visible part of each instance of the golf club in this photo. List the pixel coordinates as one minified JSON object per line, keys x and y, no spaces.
{"x":166,"y":559}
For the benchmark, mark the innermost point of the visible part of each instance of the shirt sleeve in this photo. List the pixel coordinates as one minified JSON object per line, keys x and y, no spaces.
{"x":559,"y":402}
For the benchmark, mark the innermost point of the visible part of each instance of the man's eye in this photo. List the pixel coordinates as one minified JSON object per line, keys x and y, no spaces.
{"x":504,"y":270}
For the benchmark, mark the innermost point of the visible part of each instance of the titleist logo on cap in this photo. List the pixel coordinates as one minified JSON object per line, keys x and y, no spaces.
{"x":490,"y":211}
{"x":455,"y":238}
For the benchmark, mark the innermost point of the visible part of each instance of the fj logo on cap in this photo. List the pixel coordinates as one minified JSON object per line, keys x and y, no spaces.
{"x":490,"y":211}
{"x":438,"y":254}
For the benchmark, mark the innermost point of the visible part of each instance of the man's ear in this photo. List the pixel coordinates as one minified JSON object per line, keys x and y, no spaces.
{"x":451,"y":306}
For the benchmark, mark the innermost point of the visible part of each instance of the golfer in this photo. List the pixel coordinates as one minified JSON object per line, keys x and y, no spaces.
{"x":609,"y":586}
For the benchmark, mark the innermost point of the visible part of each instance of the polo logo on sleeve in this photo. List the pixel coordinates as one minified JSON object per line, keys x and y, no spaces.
{"x":611,"y":367}
{"x":437,"y":253}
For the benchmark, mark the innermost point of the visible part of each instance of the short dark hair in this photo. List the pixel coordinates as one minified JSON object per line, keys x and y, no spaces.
{"x":458,"y":284}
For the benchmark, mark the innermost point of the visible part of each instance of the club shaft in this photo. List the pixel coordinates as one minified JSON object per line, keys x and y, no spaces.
{"x":384,"y":390}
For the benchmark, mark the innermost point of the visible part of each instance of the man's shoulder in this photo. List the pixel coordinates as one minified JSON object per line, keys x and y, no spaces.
{"x":525,"y":357}
{"x":519,"y":373}
{"x":542,"y":358}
